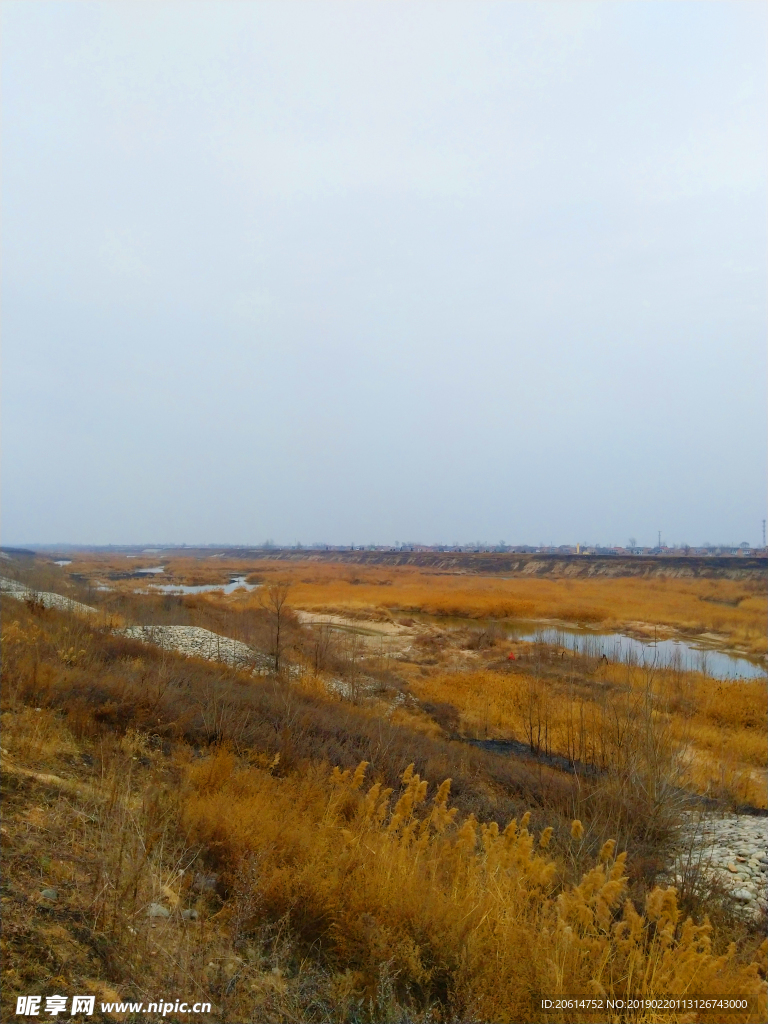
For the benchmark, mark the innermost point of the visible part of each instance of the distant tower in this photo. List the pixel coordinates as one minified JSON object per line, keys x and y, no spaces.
{"x":763,"y":533}
{"x":659,"y":540}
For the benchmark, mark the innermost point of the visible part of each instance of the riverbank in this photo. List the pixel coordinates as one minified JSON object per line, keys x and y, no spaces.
{"x":720,"y":603}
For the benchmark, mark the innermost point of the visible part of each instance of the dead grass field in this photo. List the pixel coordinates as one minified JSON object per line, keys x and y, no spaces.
{"x":735,"y":610}
{"x":295,"y":891}
{"x":604,"y":715}
{"x":722,"y":727}
{"x":365,"y":893}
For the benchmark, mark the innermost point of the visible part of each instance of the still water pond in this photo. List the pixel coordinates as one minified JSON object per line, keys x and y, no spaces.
{"x":677,"y":654}
{"x":680,"y":654}
{"x":236,"y":583}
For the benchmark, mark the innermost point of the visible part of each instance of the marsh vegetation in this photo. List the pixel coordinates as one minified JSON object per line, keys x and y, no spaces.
{"x":398,"y":821}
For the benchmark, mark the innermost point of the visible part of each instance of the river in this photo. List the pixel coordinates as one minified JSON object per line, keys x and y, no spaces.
{"x":684,"y":655}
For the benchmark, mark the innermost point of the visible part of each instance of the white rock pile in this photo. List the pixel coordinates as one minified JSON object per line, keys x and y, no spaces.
{"x":733,"y":850}
{"x":46,"y":599}
{"x":197,"y":642}
{"x":194,"y":641}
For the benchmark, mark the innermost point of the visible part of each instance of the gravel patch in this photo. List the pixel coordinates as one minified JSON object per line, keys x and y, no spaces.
{"x":732,"y":850}
{"x":197,"y":642}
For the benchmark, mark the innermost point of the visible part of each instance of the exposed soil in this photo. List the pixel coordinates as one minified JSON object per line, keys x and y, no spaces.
{"x":553,"y":566}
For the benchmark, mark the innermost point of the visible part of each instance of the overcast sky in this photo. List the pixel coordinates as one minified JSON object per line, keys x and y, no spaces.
{"x":367,"y":272}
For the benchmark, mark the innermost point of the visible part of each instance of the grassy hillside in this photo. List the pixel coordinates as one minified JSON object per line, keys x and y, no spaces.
{"x":328,"y":867}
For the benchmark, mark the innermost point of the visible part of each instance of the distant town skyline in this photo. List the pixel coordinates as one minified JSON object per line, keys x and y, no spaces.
{"x":574,"y":548}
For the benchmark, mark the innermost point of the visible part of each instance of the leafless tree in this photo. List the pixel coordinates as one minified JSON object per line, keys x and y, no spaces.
{"x":274,"y":600}
{"x":324,"y":647}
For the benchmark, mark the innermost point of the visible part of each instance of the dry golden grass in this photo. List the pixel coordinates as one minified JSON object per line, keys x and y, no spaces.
{"x":721,"y":724}
{"x":735,"y":609}
{"x":334,"y":898}
{"x":717,"y":729}
{"x":459,"y":912}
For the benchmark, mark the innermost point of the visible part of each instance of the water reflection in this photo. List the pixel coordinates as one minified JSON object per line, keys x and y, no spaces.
{"x":674,"y":654}
{"x":235,"y":583}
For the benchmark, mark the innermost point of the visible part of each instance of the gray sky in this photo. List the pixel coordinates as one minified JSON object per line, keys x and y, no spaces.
{"x":357,"y":272}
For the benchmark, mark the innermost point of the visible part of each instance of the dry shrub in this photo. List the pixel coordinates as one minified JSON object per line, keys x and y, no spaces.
{"x":446,"y":715}
{"x":464,"y":915}
{"x":703,"y":732}
{"x":135,"y":687}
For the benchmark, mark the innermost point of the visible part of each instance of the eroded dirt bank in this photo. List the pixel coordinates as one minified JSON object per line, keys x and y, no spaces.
{"x":552,"y":566}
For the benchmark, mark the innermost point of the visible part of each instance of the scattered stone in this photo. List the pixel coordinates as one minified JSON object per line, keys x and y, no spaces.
{"x":205,"y":883}
{"x":197,"y":642}
{"x":730,"y":851}
{"x":743,"y":895}
{"x":157,"y":910}
{"x":189,"y":915}
{"x":49,"y":894}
